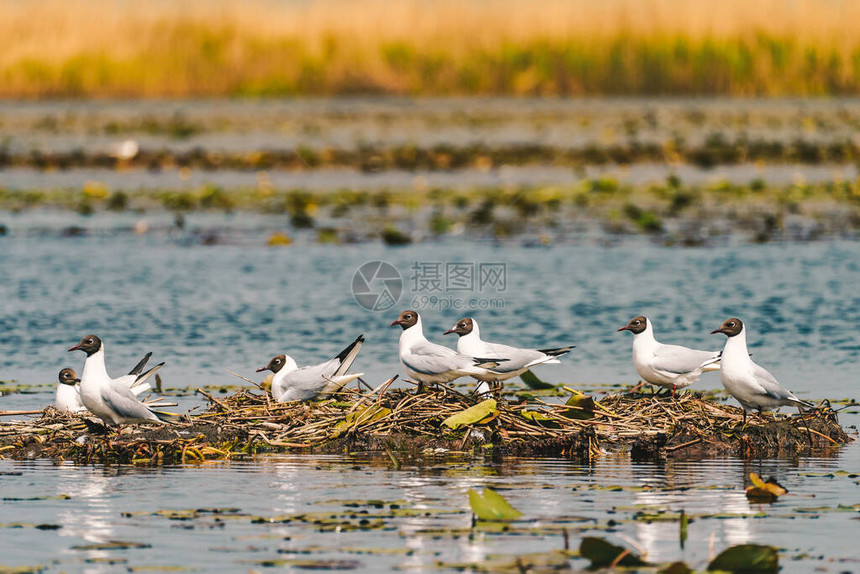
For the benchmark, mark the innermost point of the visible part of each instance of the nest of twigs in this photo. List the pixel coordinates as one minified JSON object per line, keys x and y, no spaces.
{"x":431,"y":421}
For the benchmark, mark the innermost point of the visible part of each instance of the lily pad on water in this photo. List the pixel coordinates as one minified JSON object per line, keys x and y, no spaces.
{"x":492,"y":506}
{"x":111,"y":545}
{"x":746,"y":559}
{"x":533,"y":382}
{"x":472,"y":415}
{"x":307,"y":564}
{"x":602,"y":553}
{"x":539,"y":561}
{"x":22,"y":569}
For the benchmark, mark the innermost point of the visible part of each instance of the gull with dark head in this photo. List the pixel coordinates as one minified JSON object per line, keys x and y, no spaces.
{"x":114,"y":400}
{"x":428,"y":362}
{"x":518,"y":360}
{"x":68,"y":397}
{"x":751,"y":385}
{"x":668,"y":366}
{"x":293,"y":383}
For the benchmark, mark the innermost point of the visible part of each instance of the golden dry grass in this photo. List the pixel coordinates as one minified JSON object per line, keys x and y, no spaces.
{"x":107,"y":48}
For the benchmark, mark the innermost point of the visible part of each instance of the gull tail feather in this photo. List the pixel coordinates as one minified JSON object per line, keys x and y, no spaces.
{"x":140,"y":388}
{"x":141,"y":379}
{"x":557,"y":352}
{"x":336,"y":383}
{"x":712,"y":364}
{"x":801,"y":403}
{"x":138,"y":368}
{"x":166,"y":417}
{"x":348,"y":356}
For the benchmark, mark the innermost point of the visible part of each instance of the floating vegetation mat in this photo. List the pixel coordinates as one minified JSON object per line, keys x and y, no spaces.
{"x":406,"y":422}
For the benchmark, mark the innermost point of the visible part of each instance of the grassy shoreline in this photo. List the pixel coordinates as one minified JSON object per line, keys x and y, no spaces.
{"x":107,"y":48}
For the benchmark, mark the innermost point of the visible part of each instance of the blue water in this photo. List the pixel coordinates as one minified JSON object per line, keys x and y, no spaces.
{"x":205,"y":309}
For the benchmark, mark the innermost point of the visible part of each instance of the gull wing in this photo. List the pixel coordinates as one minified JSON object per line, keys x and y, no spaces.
{"x":124,"y":403}
{"x":771,"y":387}
{"x":679,"y":360}
{"x":431,"y":359}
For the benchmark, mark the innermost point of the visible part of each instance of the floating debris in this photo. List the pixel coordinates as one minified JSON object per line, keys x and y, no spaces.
{"x":437,"y":421}
{"x":762,"y":491}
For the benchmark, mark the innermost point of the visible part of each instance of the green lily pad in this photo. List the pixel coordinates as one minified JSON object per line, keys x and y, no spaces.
{"x":492,"y":506}
{"x":602,"y":553}
{"x":472,"y":415}
{"x":541,"y":419}
{"x":533,"y":382}
{"x":583,"y":407}
{"x":747,"y":559}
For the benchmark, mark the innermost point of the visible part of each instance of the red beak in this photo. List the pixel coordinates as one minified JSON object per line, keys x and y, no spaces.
{"x":449,"y":331}
{"x":261,"y":369}
{"x":75,"y":348}
{"x":624,"y":328}
{"x":395,"y":322}
{"x":715,"y":331}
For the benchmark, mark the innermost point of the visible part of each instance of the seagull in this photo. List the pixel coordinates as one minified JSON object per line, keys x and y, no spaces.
{"x":292,"y":383}
{"x":68,"y":397}
{"x":113,"y":400}
{"x":751,"y":385}
{"x":669,"y":366}
{"x":519,"y":360}
{"x":431,"y":363}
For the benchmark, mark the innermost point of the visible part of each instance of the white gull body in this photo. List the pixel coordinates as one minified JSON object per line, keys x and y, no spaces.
{"x":294,"y":383}
{"x":670,"y":366}
{"x":518,"y":360}
{"x":750,"y":384}
{"x":112,"y":400}
{"x":428,"y":362}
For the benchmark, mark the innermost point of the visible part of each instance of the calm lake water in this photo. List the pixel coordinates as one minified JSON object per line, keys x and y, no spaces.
{"x":204,"y":309}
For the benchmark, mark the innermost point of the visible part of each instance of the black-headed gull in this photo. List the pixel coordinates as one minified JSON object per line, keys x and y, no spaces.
{"x":669,"y":366}
{"x":751,"y":385}
{"x":68,"y":396}
{"x":292,"y":383}
{"x":113,"y":400}
{"x":518,"y":360}
{"x":428,"y":362}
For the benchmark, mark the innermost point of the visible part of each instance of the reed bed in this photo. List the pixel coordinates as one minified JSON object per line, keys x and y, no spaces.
{"x":405,"y":422}
{"x":108,"y":48}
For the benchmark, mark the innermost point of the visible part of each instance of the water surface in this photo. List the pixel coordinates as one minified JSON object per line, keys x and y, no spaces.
{"x":204,"y":309}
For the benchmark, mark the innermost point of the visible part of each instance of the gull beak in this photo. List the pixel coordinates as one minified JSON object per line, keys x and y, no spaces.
{"x":449,"y":331}
{"x":261,"y":369}
{"x":624,"y":328}
{"x":715,"y":331}
{"x":395,"y":322}
{"x":75,"y":348}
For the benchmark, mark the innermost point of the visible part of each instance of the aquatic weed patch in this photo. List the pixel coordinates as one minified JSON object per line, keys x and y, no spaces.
{"x":405,"y":423}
